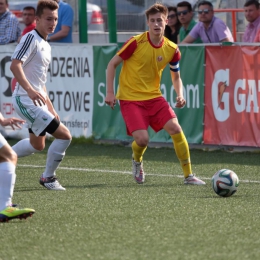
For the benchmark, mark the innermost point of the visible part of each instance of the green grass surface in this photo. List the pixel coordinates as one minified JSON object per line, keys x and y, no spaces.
{"x":103,"y":214}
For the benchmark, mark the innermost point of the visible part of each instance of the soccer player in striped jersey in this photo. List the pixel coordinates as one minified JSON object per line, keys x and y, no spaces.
{"x":29,"y":65}
{"x":8,"y":160}
{"x":144,"y":57}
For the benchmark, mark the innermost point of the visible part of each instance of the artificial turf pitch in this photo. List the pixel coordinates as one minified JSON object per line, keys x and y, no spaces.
{"x":104,"y":214}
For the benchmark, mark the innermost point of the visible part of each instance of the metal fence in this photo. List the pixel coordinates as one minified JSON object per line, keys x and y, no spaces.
{"x":130,"y":14}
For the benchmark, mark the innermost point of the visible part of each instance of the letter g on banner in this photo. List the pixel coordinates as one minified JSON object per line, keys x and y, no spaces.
{"x":219,"y":96}
{"x":4,"y":74}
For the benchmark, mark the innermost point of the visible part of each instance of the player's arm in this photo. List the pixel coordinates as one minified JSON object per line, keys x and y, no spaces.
{"x":50,"y":105}
{"x":111,"y":71}
{"x":11,"y":121}
{"x":16,"y":68}
{"x":176,"y":78}
{"x":178,"y":86}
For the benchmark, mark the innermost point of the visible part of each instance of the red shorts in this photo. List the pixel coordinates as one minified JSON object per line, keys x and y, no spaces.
{"x":139,"y":115}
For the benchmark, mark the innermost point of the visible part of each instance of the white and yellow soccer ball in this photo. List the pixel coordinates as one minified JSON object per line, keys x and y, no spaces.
{"x":225,"y":182}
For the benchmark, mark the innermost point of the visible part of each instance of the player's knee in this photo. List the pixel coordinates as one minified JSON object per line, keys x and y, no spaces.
{"x":38,"y":146}
{"x":11,"y":156}
{"x":142,"y":141}
{"x":65,"y":136}
{"x":176,"y":129}
{"x":68,"y":136}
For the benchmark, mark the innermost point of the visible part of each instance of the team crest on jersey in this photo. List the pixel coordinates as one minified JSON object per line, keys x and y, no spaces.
{"x":159,"y":58}
{"x":44,"y":118}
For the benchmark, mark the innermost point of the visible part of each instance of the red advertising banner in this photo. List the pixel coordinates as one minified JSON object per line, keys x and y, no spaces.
{"x":232,"y":95}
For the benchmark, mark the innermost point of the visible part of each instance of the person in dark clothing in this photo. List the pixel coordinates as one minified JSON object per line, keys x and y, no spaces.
{"x":173,"y":27}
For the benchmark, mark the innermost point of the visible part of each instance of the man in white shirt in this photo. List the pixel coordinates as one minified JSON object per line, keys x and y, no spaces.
{"x":30,"y":63}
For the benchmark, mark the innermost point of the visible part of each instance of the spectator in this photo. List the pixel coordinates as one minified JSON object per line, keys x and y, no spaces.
{"x":173,"y":27}
{"x":63,"y":31}
{"x":28,"y":19}
{"x":251,"y":9}
{"x":257,"y":37}
{"x":209,"y":28}
{"x":185,"y":16}
{"x":9,"y":24}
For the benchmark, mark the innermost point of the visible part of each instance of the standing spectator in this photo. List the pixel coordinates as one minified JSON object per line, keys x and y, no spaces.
{"x":185,"y":16}
{"x":63,"y":31}
{"x":28,"y":19}
{"x":8,"y":160}
{"x":209,"y":28}
{"x":141,"y":101}
{"x":251,"y":9}
{"x":173,"y":26}
{"x":9,"y":25}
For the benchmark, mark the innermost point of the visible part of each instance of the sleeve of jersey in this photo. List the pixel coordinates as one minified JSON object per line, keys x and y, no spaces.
{"x":24,"y":48}
{"x":128,"y":49}
{"x":174,"y":63}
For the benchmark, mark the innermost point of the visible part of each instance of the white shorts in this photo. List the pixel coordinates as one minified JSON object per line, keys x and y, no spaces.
{"x":2,"y":141}
{"x":36,"y":117}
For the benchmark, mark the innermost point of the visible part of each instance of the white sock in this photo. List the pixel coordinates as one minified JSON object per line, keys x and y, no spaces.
{"x":7,"y":181}
{"x":55,"y":154}
{"x":24,"y":148}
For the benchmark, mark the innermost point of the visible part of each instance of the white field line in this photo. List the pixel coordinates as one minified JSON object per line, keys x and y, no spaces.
{"x":120,"y":172}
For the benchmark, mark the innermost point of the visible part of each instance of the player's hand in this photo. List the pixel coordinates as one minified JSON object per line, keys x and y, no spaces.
{"x":36,"y":97}
{"x":13,"y":122}
{"x":110,"y":100}
{"x":180,"y":102}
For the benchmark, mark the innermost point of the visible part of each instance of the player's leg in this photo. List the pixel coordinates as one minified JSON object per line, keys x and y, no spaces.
{"x":8,"y":159}
{"x":182,"y":151}
{"x":55,"y":155}
{"x":163,"y":117}
{"x":139,"y":145}
{"x":137,"y":122}
{"x":30,"y":145}
{"x":37,"y":118}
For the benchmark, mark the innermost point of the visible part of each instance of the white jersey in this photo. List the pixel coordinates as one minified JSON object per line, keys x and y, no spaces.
{"x":35,"y":53}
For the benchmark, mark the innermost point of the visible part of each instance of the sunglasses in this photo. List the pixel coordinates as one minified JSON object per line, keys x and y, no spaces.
{"x":205,"y":11}
{"x":182,"y":12}
{"x":171,"y":16}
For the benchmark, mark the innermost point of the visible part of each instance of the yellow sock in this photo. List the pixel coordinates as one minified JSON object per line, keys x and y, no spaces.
{"x":138,"y":151}
{"x":182,"y":151}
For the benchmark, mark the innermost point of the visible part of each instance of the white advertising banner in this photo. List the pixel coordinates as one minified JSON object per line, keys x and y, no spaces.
{"x":70,"y":87}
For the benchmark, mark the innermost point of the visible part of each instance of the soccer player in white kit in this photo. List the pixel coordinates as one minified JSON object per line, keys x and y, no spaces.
{"x":8,"y":160}
{"x":30,"y":63}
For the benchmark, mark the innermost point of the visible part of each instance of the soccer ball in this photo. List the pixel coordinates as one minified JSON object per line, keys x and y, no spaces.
{"x":225,"y":182}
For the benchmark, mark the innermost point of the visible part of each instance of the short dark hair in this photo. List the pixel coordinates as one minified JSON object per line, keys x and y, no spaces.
{"x":185,"y":4}
{"x":205,"y":3}
{"x":29,"y":8}
{"x":49,"y":4}
{"x":252,"y":2}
